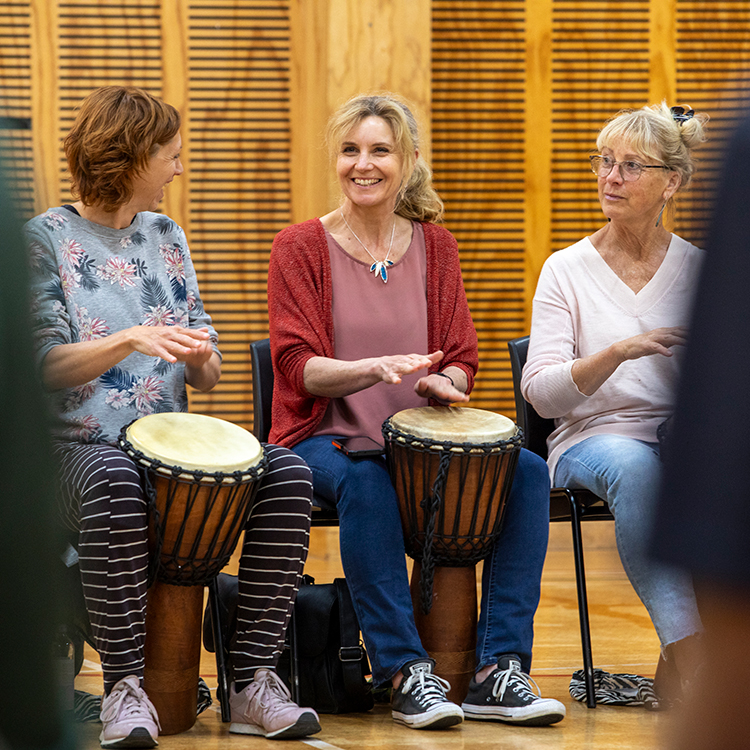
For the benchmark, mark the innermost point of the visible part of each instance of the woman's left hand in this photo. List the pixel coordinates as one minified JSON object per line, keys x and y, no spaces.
{"x":202,"y":366}
{"x":199,"y":355}
{"x":441,"y":389}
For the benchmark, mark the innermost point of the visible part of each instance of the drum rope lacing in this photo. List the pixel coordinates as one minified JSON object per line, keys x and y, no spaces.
{"x":432,"y":502}
{"x":431,"y":510}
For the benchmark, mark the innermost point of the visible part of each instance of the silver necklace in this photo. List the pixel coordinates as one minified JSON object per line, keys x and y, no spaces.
{"x":379,"y":267}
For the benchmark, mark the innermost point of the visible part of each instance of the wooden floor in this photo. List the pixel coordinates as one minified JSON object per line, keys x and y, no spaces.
{"x":623,"y":641}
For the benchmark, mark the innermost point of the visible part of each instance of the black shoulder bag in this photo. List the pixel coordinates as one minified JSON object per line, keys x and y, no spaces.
{"x":332,"y":665}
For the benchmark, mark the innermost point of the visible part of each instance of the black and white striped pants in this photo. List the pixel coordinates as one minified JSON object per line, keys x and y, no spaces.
{"x":101,"y":497}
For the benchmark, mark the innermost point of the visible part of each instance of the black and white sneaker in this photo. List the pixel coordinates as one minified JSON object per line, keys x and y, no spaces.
{"x":507,"y":695}
{"x":419,"y":701}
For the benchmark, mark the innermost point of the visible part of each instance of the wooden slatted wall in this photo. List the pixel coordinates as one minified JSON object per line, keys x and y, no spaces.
{"x":15,"y":102}
{"x":478,"y":104}
{"x":713,"y":72}
{"x":603,"y":56}
{"x":519,"y":91}
{"x":600,"y":65}
{"x":100,"y":44}
{"x":239,"y":176}
{"x":236,"y":142}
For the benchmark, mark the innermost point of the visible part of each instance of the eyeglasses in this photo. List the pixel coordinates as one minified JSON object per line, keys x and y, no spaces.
{"x":630,"y":171}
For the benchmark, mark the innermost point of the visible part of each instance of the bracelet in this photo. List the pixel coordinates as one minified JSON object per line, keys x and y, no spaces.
{"x":443,"y":375}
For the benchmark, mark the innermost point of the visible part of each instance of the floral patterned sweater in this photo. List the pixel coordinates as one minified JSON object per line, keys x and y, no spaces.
{"x":89,"y":281}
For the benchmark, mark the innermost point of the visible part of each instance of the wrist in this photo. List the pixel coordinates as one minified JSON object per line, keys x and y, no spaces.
{"x":125,"y":341}
{"x":618,"y":353}
{"x":448,"y":377}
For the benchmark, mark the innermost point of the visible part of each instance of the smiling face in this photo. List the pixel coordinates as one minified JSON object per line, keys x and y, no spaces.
{"x":368,"y":165}
{"x":162,"y":168}
{"x":640,"y":199}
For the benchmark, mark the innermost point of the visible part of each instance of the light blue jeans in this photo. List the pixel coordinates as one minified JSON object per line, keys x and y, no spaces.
{"x":373,"y":558}
{"x":626,"y":473}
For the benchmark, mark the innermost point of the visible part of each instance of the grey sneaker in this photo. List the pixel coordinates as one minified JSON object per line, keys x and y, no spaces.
{"x":419,"y":701}
{"x":265,"y":708}
{"x":507,"y":695}
{"x":128,"y":717}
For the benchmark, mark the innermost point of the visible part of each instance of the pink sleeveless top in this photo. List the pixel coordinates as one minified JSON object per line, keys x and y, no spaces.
{"x":373,"y":319}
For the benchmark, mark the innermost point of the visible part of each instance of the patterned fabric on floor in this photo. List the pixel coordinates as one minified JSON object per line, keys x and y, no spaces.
{"x":616,"y":689}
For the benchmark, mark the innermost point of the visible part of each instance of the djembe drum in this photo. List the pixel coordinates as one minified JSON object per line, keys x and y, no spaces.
{"x":201,"y":475}
{"x":452,"y":469}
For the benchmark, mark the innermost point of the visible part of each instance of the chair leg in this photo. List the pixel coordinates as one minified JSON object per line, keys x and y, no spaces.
{"x":293,"y":660}
{"x":222,"y":688}
{"x":583,"y":604}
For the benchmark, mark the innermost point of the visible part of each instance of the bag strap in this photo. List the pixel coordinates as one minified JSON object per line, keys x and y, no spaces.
{"x":351,"y":652}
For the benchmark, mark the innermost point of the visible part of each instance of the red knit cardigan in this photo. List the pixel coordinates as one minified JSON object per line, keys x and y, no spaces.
{"x":300,"y":312}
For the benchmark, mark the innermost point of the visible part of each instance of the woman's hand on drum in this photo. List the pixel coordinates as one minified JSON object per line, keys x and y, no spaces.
{"x":441,"y":388}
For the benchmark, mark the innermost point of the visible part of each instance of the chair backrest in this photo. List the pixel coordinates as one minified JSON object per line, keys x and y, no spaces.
{"x":536,"y":429}
{"x":260,"y":354}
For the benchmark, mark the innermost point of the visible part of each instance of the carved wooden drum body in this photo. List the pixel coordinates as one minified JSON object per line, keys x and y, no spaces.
{"x":452,"y":469}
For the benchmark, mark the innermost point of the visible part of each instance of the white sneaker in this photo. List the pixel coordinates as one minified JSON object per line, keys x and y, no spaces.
{"x":265,"y":708}
{"x":129,"y":718}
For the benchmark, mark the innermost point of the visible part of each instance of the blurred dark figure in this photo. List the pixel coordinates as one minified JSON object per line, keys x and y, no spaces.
{"x":30,"y":711}
{"x":703,"y":523}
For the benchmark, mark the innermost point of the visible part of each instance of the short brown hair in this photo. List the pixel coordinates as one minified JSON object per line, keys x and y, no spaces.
{"x":115,"y":132}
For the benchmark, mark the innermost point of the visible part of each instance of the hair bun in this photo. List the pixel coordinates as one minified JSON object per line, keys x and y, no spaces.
{"x":692,"y":129}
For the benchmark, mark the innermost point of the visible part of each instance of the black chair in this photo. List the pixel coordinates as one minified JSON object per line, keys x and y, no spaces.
{"x":260,"y":353}
{"x":565,"y":504}
{"x":263,"y":377}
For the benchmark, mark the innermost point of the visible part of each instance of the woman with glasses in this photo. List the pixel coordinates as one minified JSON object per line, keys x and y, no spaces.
{"x":608,"y":325}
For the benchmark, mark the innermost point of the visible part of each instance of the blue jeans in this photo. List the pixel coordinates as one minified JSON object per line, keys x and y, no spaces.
{"x":626,"y":473}
{"x":374,"y":562}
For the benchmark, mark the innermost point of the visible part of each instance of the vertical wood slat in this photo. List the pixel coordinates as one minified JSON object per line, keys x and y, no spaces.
{"x":662,"y":49}
{"x":309,"y":109}
{"x":478,"y":83}
{"x":341,"y":49}
{"x":45,"y":101}
{"x":537,"y":147}
{"x":238,"y":73}
{"x":175,"y":90}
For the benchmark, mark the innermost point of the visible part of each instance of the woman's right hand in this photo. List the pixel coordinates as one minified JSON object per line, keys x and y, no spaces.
{"x":658,"y":341}
{"x":590,"y":373}
{"x":392,"y":368}
{"x":336,"y":378}
{"x":71,"y":365}
{"x":170,"y":343}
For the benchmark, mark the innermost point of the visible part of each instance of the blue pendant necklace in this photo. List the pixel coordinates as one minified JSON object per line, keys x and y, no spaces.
{"x":379,"y":267}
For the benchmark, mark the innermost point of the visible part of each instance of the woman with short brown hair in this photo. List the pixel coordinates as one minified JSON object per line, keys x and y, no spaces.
{"x":121,"y":330}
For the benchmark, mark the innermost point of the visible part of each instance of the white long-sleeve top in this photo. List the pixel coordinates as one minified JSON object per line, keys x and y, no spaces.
{"x":581,"y":306}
